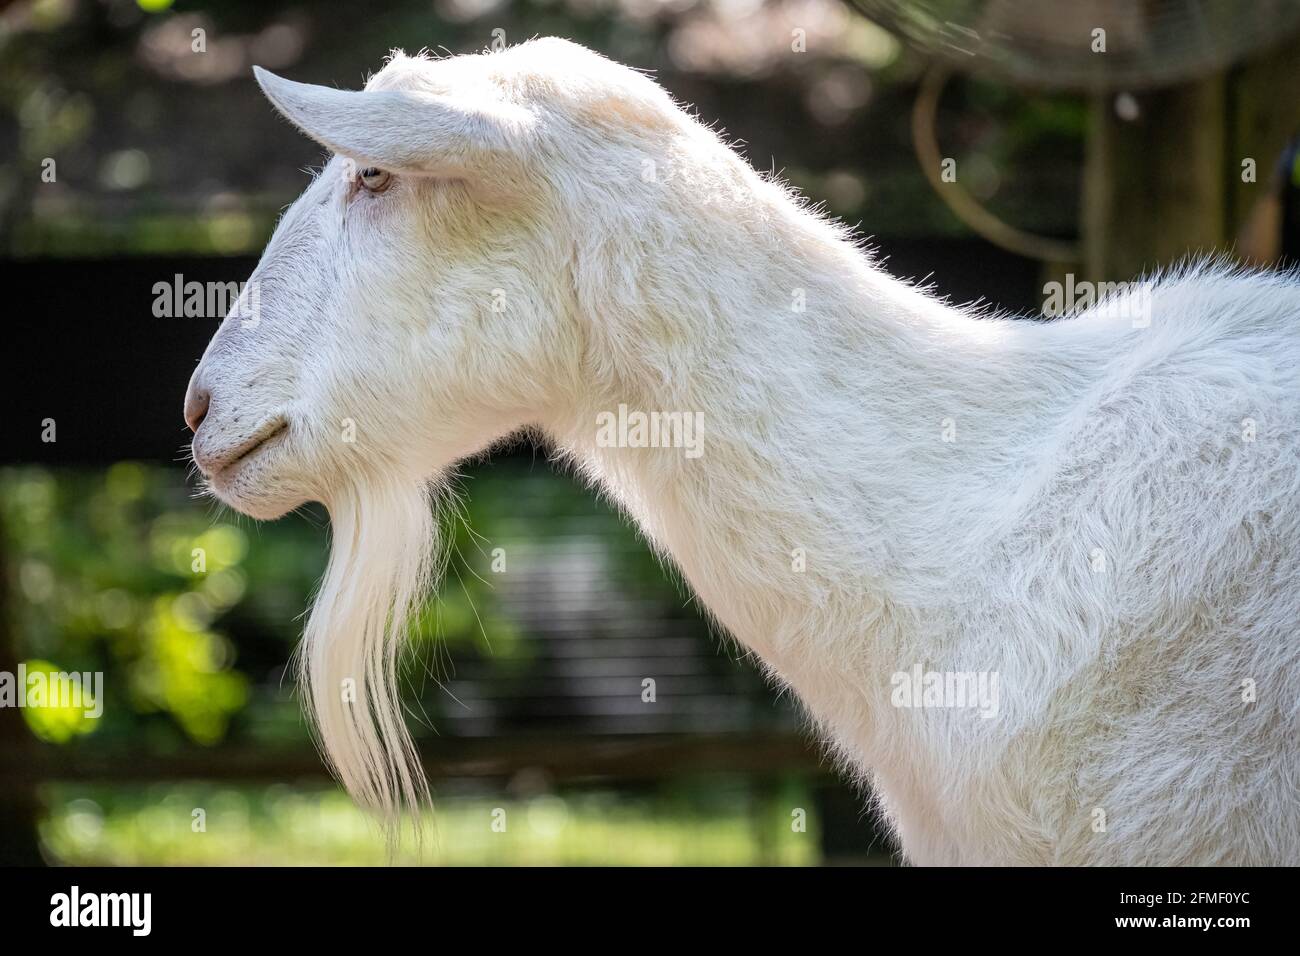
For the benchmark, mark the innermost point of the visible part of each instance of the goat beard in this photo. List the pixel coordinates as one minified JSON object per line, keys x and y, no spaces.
{"x":381,"y":566}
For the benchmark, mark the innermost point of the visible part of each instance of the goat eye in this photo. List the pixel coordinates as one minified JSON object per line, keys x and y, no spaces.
{"x":373,"y":179}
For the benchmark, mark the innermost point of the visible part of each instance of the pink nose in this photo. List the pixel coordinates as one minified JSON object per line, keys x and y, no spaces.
{"x":197,"y":401}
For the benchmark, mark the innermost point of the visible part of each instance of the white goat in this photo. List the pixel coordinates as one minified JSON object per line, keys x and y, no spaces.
{"x":892,"y":491}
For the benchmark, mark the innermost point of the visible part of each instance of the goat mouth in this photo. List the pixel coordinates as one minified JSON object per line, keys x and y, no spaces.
{"x":257,"y":443}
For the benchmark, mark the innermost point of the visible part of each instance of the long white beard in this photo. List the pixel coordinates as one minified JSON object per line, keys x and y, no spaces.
{"x":379,"y":571}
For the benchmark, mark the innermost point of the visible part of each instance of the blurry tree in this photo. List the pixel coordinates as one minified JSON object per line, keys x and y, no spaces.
{"x":160,"y":142}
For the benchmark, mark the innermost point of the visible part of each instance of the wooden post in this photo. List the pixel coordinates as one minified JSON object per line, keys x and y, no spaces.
{"x":1155,"y":185}
{"x":1168,"y":182}
{"x":1263,"y":115}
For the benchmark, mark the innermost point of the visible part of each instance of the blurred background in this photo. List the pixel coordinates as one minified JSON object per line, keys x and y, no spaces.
{"x":570,"y":701}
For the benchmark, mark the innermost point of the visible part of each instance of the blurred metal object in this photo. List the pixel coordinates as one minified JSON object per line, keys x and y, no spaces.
{"x":1087,"y":45}
{"x":964,"y":206}
{"x":1100,"y":47}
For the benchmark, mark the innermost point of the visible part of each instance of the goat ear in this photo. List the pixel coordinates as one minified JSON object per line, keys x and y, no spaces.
{"x":399,"y":130}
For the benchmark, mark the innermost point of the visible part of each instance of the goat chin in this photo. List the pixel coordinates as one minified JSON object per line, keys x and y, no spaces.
{"x":380,"y":566}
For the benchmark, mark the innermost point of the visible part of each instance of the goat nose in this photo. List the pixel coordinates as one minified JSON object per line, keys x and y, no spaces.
{"x":197,"y":401}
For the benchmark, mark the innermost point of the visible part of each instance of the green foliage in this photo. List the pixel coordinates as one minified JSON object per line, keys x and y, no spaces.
{"x":716,"y":823}
{"x":192,"y":612}
{"x":54,"y":720}
{"x":103,"y":581}
{"x":161,"y":149}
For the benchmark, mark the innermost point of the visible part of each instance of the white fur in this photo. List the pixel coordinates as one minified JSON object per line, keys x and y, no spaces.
{"x":559,"y":239}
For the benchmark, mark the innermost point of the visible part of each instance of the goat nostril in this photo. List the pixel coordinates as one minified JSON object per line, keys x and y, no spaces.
{"x":196,"y":407}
